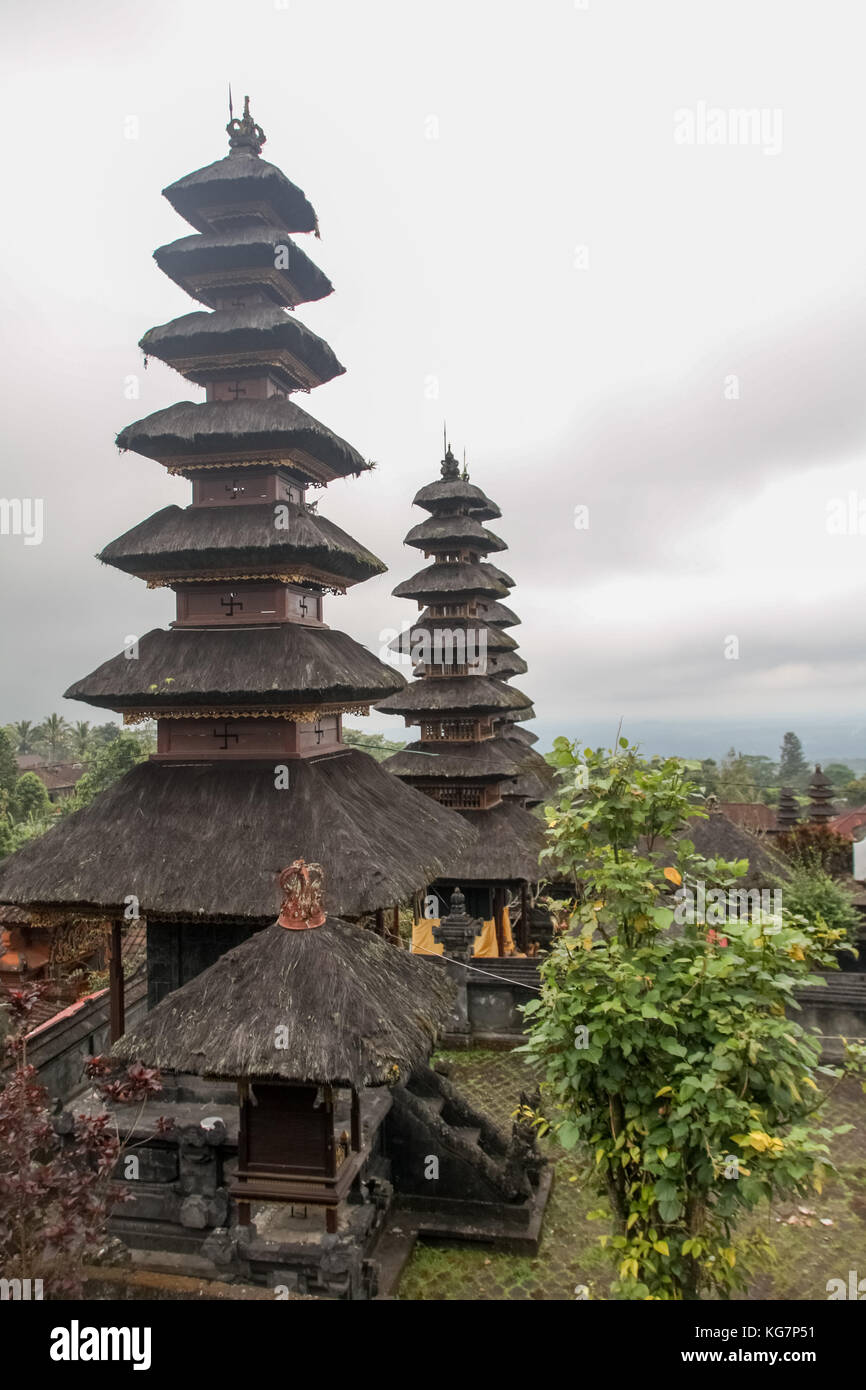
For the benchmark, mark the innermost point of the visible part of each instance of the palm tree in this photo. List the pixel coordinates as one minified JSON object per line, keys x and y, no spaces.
{"x":24,"y":733}
{"x":53,"y":733}
{"x":81,"y":738}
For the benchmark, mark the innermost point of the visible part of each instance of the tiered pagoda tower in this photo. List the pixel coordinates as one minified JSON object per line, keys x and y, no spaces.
{"x":249,"y":685}
{"x":472,"y":755}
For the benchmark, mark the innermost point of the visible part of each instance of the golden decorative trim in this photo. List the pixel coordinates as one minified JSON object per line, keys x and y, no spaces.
{"x":188,"y":465}
{"x":232,"y":576}
{"x":296,"y":715}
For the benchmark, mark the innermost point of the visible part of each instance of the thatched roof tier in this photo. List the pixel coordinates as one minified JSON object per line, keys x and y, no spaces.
{"x":468,"y":630}
{"x":509,"y":842}
{"x":455,"y":532}
{"x":204,"y":346}
{"x":504,"y":665}
{"x":279,"y":667}
{"x":441,"y":582}
{"x":191,"y":542}
{"x":192,"y":436}
{"x":242,"y":188}
{"x":205,"y":842}
{"x":457,"y":694}
{"x":521,"y":712}
{"x":536,"y":781}
{"x":353,"y":1010}
{"x":454,"y":494}
{"x":526,"y":736}
{"x":487,"y":761}
{"x":497,"y":613}
{"x":496,"y":574}
{"x":210,"y":266}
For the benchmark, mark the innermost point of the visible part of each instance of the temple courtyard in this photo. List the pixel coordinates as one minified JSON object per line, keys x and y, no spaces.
{"x":805,"y":1253}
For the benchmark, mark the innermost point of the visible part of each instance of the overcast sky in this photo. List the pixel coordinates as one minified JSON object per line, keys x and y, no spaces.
{"x":530,"y":235}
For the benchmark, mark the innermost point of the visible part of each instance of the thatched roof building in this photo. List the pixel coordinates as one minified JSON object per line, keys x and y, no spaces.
{"x":253,"y":667}
{"x":216,"y":266}
{"x":191,"y":436}
{"x":464,"y":705}
{"x":203,"y":843}
{"x":240,"y":543}
{"x":355,"y":1012}
{"x":249,"y":685}
{"x":207,"y":347}
{"x":443,"y":581}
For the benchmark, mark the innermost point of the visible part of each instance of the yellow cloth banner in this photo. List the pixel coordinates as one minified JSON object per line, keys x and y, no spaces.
{"x":485,"y":944}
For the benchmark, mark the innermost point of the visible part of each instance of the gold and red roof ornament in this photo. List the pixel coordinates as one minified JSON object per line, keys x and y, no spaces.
{"x":303,"y":890}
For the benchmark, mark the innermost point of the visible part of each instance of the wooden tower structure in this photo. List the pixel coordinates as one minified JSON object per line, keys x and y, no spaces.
{"x":472,"y":755}
{"x":249,"y":684}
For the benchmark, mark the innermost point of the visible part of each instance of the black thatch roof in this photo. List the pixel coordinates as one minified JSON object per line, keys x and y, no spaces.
{"x":524,"y":735}
{"x":476,"y":633}
{"x":520,"y":712}
{"x":190,"y":541}
{"x":537,"y":780}
{"x":261,"y":667}
{"x":442,"y":582}
{"x":203,"y":265}
{"x":242,"y":428}
{"x":719,"y":837}
{"x":499,"y":576}
{"x":460,"y":694}
{"x":454,"y":531}
{"x":489,"y":760}
{"x":205,"y":842}
{"x":436,"y":497}
{"x":504,"y":665}
{"x":241,"y":178}
{"x":225,"y":333}
{"x":356,"y":1010}
{"x":509,"y":842}
{"x":497,"y":613}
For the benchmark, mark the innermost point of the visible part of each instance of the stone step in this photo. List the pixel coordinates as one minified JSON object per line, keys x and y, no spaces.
{"x":391,"y":1255}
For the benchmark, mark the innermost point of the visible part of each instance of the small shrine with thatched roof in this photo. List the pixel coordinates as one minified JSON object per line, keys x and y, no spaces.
{"x":344,"y":1147}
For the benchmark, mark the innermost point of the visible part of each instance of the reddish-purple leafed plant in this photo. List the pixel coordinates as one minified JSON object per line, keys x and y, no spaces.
{"x":56,"y":1188}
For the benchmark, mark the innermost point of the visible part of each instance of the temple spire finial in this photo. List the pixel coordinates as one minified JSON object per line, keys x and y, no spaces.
{"x":244,"y":134}
{"x":450,"y":466}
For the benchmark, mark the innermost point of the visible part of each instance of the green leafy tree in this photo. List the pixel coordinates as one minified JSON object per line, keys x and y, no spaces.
{"x":53,"y":735}
{"x":736,"y":781}
{"x":101,"y":734}
{"x":661,"y":1029}
{"x":793,"y":769}
{"x":855,"y":792}
{"x":840,"y":775}
{"x":109,"y":764}
{"x":812,"y":893}
{"x":30,"y":799}
{"x":23,"y":736}
{"x":80,"y":738}
{"x":764,"y":772}
{"x":8,"y":775}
